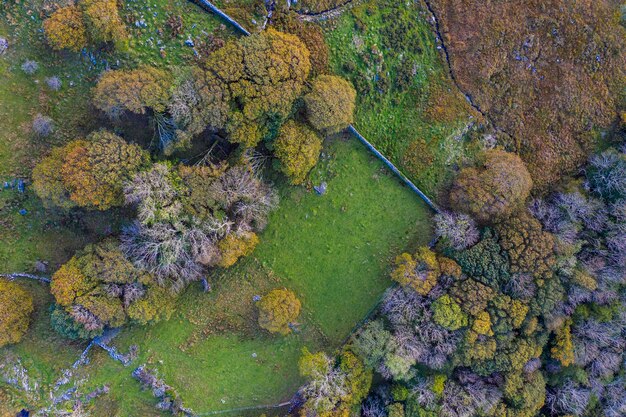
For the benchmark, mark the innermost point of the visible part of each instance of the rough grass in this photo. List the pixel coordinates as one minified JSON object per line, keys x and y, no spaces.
{"x":332,"y":250}
{"x":407,"y":105}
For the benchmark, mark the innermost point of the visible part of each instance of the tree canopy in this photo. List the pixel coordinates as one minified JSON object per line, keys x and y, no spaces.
{"x":16,"y":305}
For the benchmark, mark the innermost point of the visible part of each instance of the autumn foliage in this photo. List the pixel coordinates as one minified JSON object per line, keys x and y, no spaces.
{"x":132,"y":90}
{"x":247,"y":87}
{"x":298,"y":149}
{"x":16,"y":305}
{"x":65,"y":29}
{"x":494,"y":189}
{"x":330,"y":104}
{"x":104,"y":21}
{"x":278,"y":310}
{"x":88,"y":173}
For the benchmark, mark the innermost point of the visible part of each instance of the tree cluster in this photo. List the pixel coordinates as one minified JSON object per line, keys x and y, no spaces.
{"x":73,"y":27}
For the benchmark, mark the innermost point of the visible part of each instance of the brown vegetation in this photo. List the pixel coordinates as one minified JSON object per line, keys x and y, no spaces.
{"x":546,"y":72}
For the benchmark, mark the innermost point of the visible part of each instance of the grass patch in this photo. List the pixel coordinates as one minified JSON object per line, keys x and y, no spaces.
{"x":407,"y":106}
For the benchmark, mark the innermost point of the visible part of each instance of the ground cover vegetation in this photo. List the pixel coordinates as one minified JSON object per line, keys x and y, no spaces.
{"x":528,"y":77}
{"x":407,"y":105}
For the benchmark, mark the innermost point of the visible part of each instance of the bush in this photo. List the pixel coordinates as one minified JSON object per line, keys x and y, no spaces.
{"x":94,"y":171}
{"x":103,"y":21}
{"x":278,"y":310}
{"x":132,"y":90}
{"x":43,"y":126}
{"x":54,"y":83}
{"x":298,"y":149}
{"x":494,"y":189}
{"x":330,"y":104}
{"x":233,"y":247}
{"x":30,"y":67}
{"x":16,"y":305}
{"x":65,"y":29}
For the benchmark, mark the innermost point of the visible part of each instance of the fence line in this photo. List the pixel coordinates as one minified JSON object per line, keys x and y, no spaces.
{"x":351,"y":128}
{"x":17,"y":275}
{"x":214,"y":9}
{"x":393,"y":168}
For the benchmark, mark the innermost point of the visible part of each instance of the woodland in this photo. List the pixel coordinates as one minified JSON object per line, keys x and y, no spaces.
{"x":316,"y":208}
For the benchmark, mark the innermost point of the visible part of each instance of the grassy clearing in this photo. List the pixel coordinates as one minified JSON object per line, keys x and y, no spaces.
{"x":407,"y":106}
{"x":332,"y":250}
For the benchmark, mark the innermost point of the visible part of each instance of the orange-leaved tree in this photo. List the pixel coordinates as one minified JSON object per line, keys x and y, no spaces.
{"x":65,"y":29}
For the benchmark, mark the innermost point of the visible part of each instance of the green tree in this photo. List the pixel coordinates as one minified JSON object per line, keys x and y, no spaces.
{"x":298,"y":149}
{"x":277,"y":310}
{"x":330,"y":104}
{"x":447,"y":313}
{"x":16,"y":305}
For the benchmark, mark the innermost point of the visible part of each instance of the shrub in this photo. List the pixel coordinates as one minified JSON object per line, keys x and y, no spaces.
{"x":65,"y":29}
{"x":30,"y":67}
{"x":233,"y":247}
{"x":298,"y":149}
{"x":132,"y":90}
{"x":103,"y":21}
{"x":16,"y":305}
{"x":54,"y":83}
{"x":278,"y":310}
{"x":494,"y":189}
{"x":43,"y":125}
{"x":330,"y":104}
{"x":94,"y":171}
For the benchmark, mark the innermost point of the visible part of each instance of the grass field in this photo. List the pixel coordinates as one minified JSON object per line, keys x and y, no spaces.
{"x":407,"y":105}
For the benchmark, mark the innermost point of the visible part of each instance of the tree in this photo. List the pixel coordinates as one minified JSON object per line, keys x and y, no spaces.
{"x":65,"y":29}
{"x":48,"y":179}
{"x":447,"y":313}
{"x":419,"y":272}
{"x":563,"y":349}
{"x":297,"y":148}
{"x":94,"y":171}
{"x":333,"y":389}
{"x":311,"y":34}
{"x":100,"y":288}
{"x":16,"y":305}
{"x":330,"y":104}
{"x":530,"y":249}
{"x":104,"y":21}
{"x":278,"y":310}
{"x":494,"y":189}
{"x":248,"y":87}
{"x":456,"y":229}
{"x":233,"y":247}
{"x":132,"y":90}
